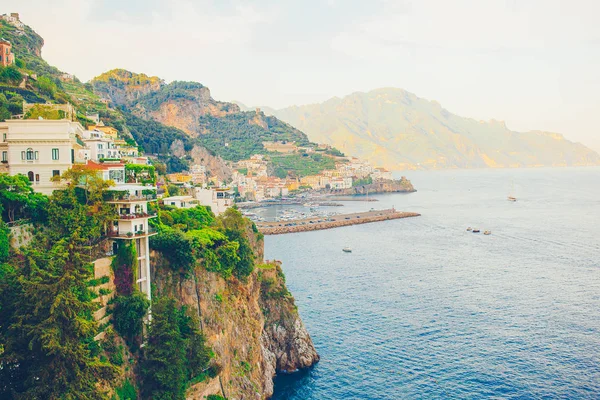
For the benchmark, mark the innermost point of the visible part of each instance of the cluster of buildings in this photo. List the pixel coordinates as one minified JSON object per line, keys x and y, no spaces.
{"x":252,"y":180}
{"x":42,"y":149}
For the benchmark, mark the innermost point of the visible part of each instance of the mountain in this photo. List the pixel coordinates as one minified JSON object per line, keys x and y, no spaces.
{"x":221,"y":127}
{"x":398,"y":130}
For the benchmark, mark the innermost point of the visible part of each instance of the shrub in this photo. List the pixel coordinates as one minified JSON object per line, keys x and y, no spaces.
{"x":128,"y":314}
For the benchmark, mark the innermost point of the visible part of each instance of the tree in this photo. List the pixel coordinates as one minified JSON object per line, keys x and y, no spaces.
{"x":164,"y":356}
{"x":50,"y":350}
{"x":18,"y":198}
{"x":176,"y":351}
{"x":128,"y":314}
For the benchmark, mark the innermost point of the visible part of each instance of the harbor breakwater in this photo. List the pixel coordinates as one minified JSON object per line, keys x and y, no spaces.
{"x":320,"y":223}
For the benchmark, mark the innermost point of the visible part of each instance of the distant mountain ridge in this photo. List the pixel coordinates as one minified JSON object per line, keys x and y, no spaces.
{"x":396,"y":129}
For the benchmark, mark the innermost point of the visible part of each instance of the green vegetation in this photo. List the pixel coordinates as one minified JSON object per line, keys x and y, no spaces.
{"x":236,"y":136}
{"x":221,"y":245}
{"x":49,"y":351}
{"x":175,"y":353}
{"x":140,"y":173}
{"x":19,"y":201}
{"x":128,"y":314}
{"x":177,"y":90}
{"x":300,"y":164}
{"x":127,"y":391}
{"x":364,"y":181}
{"x":215,"y":397}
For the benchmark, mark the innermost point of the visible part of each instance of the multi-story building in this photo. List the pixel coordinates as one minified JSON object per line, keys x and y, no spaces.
{"x":218,"y":199}
{"x":100,"y":145}
{"x":131,"y":202}
{"x":6,"y":56}
{"x":41,"y":149}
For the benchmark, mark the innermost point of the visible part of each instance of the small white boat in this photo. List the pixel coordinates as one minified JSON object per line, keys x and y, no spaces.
{"x":347,"y":250}
{"x":487,"y":232}
{"x":469,"y":229}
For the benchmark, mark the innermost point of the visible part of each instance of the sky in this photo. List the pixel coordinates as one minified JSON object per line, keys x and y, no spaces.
{"x":534,"y":64}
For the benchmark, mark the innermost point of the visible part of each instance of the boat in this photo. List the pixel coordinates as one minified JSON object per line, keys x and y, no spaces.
{"x":511,"y":198}
{"x":469,"y":229}
{"x":347,"y":250}
{"x":512,"y":190}
{"x":476,"y":230}
{"x":487,"y":232}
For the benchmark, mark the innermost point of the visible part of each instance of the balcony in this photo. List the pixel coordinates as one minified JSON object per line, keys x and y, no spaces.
{"x":136,"y":216}
{"x":130,"y":235}
{"x":123,"y":197}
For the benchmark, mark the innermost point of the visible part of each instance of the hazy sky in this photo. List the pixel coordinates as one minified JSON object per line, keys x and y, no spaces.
{"x":533,"y":63}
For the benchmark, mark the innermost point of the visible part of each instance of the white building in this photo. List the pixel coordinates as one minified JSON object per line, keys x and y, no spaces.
{"x":181,"y":201}
{"x":381,"y":173}
{"x":340,"y":183}
{"x":131,"y":202}
{"x":100,"y":145}
{"x":40,"y":149}
{"x":218,"y":199}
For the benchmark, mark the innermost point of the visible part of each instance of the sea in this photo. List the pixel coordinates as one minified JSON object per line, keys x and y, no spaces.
{"x":424,"y":309}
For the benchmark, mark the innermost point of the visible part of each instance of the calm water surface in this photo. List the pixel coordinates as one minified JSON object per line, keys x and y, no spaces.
{"x":424,"y":309}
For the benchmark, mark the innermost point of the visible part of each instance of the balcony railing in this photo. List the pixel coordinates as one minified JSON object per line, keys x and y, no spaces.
{"x":137,"y":215}
{"x":121,"y":196}
{"x":130,"y":235}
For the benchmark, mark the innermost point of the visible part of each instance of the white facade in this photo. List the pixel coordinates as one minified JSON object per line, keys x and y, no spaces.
{"x":131,"y":202}
{"x":40,"y":149}
{"x":218,"y":200}
{"x":181,"y":201}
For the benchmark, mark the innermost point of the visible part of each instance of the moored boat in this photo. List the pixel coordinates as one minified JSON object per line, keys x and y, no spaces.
{"x":476,"y":230}
{"x":347,"y":250}
{"x":487,"y":232}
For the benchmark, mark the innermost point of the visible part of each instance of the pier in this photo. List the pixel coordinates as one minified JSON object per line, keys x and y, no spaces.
{"x":320,"y":223}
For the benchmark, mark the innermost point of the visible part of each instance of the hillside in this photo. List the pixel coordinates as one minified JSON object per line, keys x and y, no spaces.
{"x":188,"y":106}
{"x":397,"y":129}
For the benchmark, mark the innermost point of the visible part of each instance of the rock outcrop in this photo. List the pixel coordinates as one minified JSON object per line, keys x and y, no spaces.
{"x":253,"y":327}
{"x":379,"y":186}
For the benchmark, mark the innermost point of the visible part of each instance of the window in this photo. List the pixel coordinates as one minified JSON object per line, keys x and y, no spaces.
{"x":55,"y":154}
{"x":30,"y":176}
{"x":37,"y":178}
{"x":55,"y":172}
{"x":4,"y":137}
{"x":29,"y":154}
{"x":22,"y":155}
{"x":5,"y":156}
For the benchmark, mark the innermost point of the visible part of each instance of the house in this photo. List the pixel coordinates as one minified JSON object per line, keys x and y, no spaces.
{"x":41,"y":149}
{"x":181,"y":201}
{"x":6,"y":56}
{"x":100,"y":145}
{"x":381,"y":173}
{"x":218,"y":199}
{"x":131,"y":203}
{"x":108,"y":130}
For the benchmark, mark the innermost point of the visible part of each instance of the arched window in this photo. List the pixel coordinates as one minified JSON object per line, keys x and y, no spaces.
{"x":30,"y":176}
{"x":30,"y":154}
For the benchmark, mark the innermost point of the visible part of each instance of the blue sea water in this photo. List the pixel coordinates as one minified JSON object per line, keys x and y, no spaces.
{"x":423,"y":309}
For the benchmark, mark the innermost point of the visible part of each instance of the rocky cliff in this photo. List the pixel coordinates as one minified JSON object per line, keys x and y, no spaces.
{"x":380,"y":186}
{"x":123,"y":87}
{"x":253,"y":327}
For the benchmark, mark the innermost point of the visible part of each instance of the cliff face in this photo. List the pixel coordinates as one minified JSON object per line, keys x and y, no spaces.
{"x":123,"y":87}
{"x":253,"y":327}
{"x":170,"y":108}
